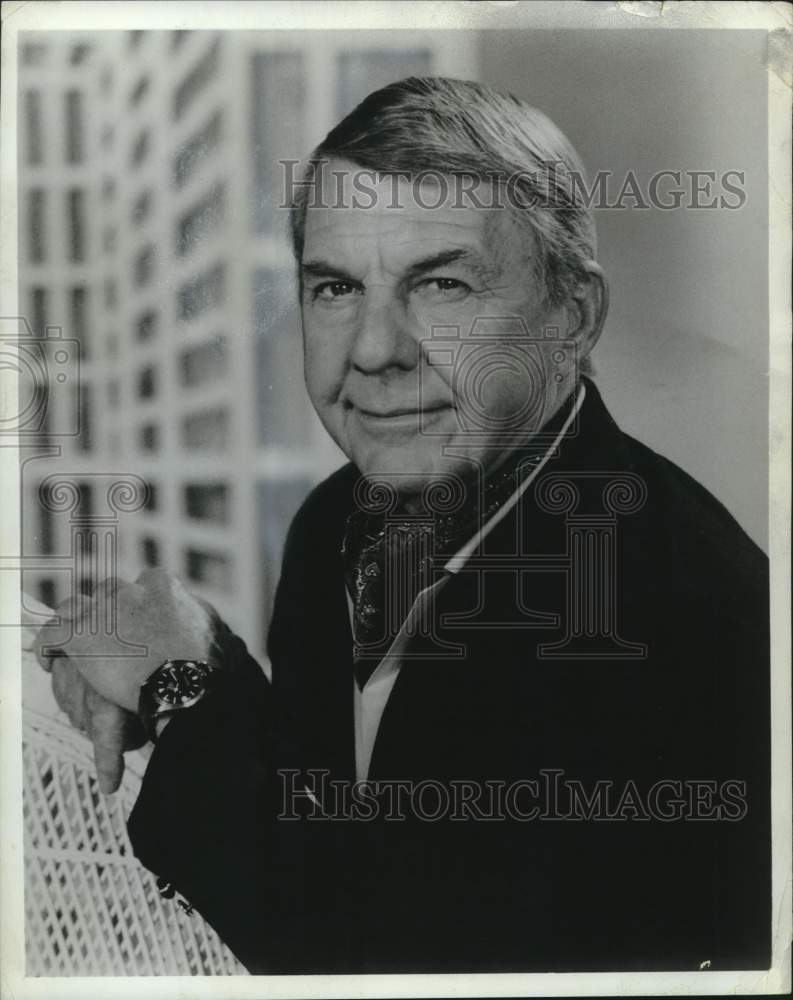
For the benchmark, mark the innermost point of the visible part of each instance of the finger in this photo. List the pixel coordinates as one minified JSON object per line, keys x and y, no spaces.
{"x":109,"y":768}
{"x":56,"y":633}
{"x":126,"y":729}
{"x":40,"y":640}
{"x":51,"y":636}
{"x":107,"y":730}
{"x":219,"y":627}
{"x":69,"y":689}
{"x":60,"y":684}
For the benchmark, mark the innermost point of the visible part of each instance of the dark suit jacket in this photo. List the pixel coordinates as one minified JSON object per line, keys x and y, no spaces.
{"x":641,"y":893}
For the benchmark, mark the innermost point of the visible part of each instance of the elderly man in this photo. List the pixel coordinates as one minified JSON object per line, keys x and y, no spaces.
{"x":518,"y":716}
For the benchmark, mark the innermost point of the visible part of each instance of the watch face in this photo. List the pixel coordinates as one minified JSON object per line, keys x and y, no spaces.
{"x":180,"y":682}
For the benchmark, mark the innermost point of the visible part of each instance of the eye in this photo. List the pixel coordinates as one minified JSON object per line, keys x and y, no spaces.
{"x":443,"y":288}
{"x":330,"y":291}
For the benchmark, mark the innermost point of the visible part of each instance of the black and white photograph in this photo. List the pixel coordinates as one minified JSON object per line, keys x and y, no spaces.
{"x":395,"y":458}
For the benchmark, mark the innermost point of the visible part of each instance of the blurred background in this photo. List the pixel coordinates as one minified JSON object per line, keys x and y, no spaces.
{"x":150,"y":233}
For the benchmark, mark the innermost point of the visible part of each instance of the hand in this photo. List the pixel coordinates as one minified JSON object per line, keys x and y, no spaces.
{"x":97,"y":670}
{"x":111,"y":729}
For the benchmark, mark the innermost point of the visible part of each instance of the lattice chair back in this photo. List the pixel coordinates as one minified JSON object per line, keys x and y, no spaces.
{"x":90,"y":907}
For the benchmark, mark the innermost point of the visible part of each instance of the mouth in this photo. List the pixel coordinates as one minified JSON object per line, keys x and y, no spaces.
{"x":398,"y":418}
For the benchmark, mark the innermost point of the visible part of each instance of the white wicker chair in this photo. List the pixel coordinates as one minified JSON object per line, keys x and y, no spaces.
{"x":90,"y":908}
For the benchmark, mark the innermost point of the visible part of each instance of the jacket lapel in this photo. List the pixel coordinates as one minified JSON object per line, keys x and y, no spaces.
{"x":492,"y":616}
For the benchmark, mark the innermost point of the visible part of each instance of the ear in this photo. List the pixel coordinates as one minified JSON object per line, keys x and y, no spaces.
{"x":587,"y":307}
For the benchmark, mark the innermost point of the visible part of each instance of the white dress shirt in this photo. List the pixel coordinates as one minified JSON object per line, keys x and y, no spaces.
{"x":370,"y":701}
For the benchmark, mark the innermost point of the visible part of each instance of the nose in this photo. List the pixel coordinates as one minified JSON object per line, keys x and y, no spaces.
{"x":383,"y":339}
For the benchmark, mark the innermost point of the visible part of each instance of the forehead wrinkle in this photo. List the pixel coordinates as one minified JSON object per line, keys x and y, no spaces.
{"x":496,"y":245}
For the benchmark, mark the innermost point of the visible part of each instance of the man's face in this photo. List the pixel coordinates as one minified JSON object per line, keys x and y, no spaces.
{"x":376,"y":281}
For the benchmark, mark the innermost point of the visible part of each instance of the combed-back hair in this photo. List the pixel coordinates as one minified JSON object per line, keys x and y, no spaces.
{"x":462,"y":128}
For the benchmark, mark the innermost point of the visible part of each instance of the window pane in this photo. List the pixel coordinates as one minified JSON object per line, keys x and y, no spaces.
{"x":152,"y":501}
{"x":150,"y":551}
{"x":207,"y":502}
{"x":47,"y":592}
{"x":141,"y":207}
{"x":199,"y":76}
{"x":79,"y":318}
{"x":201,"y":220}
{"x":209,"y":568}
{"x":37,"y":204}
{"x":85,"y":440}
{"x":207,"y":431}
{"x":74,"y":126}
{"x":204,"y":363}
{"x":202,"y":293}
{"x":39,"y":311}
{"x":195,"y":152}
{"x":79,"y":54}
{"x":34,"y":146}
{"x":140,"y":148}
{"x":146,"y":326}
{"x":149,"y":437}
{"x":46,"y":540}
{"x":34,"y":54}
{"x":76,"y":228}
{"x":139,"y":91}
{"x":144,"y":266}
{"x":147,"y":382}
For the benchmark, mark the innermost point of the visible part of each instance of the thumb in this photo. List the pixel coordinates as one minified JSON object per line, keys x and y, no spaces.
{"x":107,"y":728}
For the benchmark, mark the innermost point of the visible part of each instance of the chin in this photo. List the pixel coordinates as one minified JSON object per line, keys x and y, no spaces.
{"x":410,"y":468}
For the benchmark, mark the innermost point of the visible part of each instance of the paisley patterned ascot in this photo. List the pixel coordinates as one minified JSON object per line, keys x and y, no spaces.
{"x":390,"y":558}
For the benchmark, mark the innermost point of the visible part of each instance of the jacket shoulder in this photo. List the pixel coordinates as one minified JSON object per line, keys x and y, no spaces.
{"x":693,"y":527}
{"x":324,"y":511}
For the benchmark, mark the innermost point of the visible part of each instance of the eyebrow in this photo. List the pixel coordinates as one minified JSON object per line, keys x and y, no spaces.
{"x":320,"y":268}
{"x":462,"y":255}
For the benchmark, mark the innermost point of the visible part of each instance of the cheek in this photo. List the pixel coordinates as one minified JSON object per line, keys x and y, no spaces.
{"x":324,"y":361}
{"x":505,"y":392}
{"x":501,"y":382}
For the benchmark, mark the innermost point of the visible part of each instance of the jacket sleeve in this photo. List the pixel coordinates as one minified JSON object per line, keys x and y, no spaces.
{"x":202,"y":820}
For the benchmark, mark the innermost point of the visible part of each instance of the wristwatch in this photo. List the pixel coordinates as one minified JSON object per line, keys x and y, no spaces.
{"x":174,"y":686}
